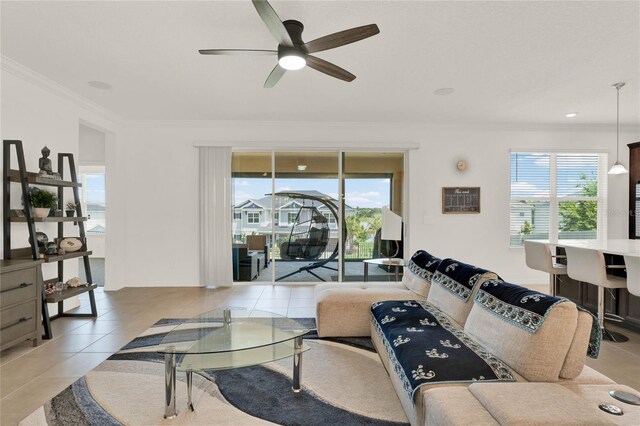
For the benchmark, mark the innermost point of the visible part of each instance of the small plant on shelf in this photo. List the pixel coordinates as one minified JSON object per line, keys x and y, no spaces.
{"x":71,"y":208}
{"x":42,"y":202}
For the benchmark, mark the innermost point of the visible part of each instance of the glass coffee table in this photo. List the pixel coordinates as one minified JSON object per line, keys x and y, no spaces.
{"x":394,"y":261}
{"x":228,"y":338}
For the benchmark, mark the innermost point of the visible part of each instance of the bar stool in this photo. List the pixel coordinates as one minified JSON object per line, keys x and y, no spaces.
{"x":632,"y":264}
{"x":589,"y":266}
{"x":539,"y":257}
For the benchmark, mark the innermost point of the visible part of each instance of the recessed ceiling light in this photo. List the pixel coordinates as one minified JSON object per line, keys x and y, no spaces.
{"x":302,"y":167}
{"x":571,"y":114}
{"x":99,"y":85}
{"x":444,"y":91}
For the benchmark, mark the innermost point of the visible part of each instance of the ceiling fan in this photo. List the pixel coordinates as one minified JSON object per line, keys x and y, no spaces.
{"x":293,"y":53}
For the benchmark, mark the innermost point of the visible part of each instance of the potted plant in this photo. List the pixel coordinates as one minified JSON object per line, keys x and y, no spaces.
{"x":42,"y":202}
{"x":71,"y":209}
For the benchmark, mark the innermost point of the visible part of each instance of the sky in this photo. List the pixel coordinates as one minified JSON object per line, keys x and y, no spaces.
{"x":358,"y":192}
{"x":530,"y":173}
{"x":95,"y":189}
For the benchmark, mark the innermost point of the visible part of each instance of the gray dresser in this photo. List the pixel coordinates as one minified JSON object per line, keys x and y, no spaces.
{"x":20,"y":302}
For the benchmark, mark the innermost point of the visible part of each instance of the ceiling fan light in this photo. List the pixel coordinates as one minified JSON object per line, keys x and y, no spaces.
{"x":618,"y":169}
{"x":292,"y":62}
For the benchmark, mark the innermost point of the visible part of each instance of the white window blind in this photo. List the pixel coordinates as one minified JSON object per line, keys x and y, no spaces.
{"x":557,"y":196}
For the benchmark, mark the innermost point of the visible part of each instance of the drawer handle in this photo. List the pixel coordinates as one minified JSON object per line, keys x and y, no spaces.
{"x":20,"y":321}
{"x":23,"y":285}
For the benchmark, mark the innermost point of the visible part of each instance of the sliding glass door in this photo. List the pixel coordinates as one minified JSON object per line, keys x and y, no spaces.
{"x":306,"y":206}
{"x":312,"y":216}
{"x":372,"y":180}
{"x":252,"y":181}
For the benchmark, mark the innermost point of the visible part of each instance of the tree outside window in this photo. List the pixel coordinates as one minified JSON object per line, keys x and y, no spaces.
{"x":581,"y":215}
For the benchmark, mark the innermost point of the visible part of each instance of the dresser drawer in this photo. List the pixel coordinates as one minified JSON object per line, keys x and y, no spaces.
{"x":18,"y":286}
{"x":18,"y":321}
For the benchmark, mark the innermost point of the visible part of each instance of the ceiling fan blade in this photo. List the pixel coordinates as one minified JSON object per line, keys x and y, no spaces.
{"x":237,"y":52}
{"x":273,"y":22}
{"x":341,"y":38}
{"x":329,"y":69}
{"x":274,"y":77}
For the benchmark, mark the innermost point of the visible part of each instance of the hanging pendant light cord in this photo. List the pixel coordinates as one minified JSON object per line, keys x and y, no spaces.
{"x":618,"y":123}
{"x":618,"y":168}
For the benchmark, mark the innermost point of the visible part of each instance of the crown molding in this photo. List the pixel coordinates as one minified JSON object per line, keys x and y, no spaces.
{"x":563,"y":127}
{"x":17,"y":69}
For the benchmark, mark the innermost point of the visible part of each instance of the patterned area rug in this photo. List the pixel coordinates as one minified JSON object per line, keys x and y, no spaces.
{"x":344,"y":382}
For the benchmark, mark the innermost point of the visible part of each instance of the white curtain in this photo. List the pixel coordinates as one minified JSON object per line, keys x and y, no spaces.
{"x":215,"y":216}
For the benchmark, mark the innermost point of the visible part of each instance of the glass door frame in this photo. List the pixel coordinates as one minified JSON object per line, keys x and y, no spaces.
{"x":341,"y":195}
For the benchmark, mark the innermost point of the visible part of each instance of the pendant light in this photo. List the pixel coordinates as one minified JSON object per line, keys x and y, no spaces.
{"x":618,"y":168}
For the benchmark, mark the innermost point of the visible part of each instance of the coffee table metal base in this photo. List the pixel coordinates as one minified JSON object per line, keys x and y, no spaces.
{"x":170,"y":386}
{"x":170,"y":410}
{"x":297,"y":364}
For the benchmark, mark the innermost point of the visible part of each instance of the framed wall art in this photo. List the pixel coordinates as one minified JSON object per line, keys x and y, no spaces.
{"x":461,"y":200}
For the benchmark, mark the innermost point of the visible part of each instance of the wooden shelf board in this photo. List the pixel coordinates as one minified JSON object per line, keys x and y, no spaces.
{"x":58,"y":257}
{"x":34,"y":179}
{"x":49,"y":219}
{"x":69,"y":292}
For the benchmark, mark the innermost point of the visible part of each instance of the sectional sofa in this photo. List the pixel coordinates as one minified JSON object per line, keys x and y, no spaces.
{"x":462,"y":346}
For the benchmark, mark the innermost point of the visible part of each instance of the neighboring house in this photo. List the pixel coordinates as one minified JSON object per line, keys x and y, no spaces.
{"x":253,"y":216}
{"x":536,"y":215}
{"x":96,"y":218}
{"x":521,"y":213}
{"x":98,"y":229}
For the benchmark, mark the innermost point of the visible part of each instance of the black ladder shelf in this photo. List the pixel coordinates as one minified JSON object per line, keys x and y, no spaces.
{"x":25,"y":179}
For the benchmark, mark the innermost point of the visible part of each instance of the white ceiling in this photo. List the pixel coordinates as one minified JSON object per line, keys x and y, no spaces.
{"x":509,"y":62}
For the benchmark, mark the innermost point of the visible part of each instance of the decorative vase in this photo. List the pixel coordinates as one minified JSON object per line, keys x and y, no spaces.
{"x":41,"y":212}
{"x":70,"y":213}
{"x":51,"y":248}
{"x":41,"y":238}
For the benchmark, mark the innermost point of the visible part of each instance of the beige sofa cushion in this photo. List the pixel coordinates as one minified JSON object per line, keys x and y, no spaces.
{"x":588,"y":376}
{"x":345,"y":310}
{"x":443,"y":406}
{"x":574,"y":362}
{"x":538,"y":356}
{"x":417,"y":275}
{"x":536,"y":404}
{"x":452,"y":297}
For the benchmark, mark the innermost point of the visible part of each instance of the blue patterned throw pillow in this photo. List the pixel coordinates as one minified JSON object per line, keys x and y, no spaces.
{"x":417,"y":275}
{"x":460,"y":278}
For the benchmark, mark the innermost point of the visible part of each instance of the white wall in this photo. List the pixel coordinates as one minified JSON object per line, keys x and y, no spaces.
{"x":34,"y":112}
{"x":152,"y":190}
{"x":160,"y":239}
{"x":483,"y":239}
{"x":91,"y":150}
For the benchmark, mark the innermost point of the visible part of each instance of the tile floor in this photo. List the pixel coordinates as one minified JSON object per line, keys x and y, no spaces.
{"x":31,"y":376}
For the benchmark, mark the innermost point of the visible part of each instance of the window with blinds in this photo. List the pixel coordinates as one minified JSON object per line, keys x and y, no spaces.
{"x":557,"y":196}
